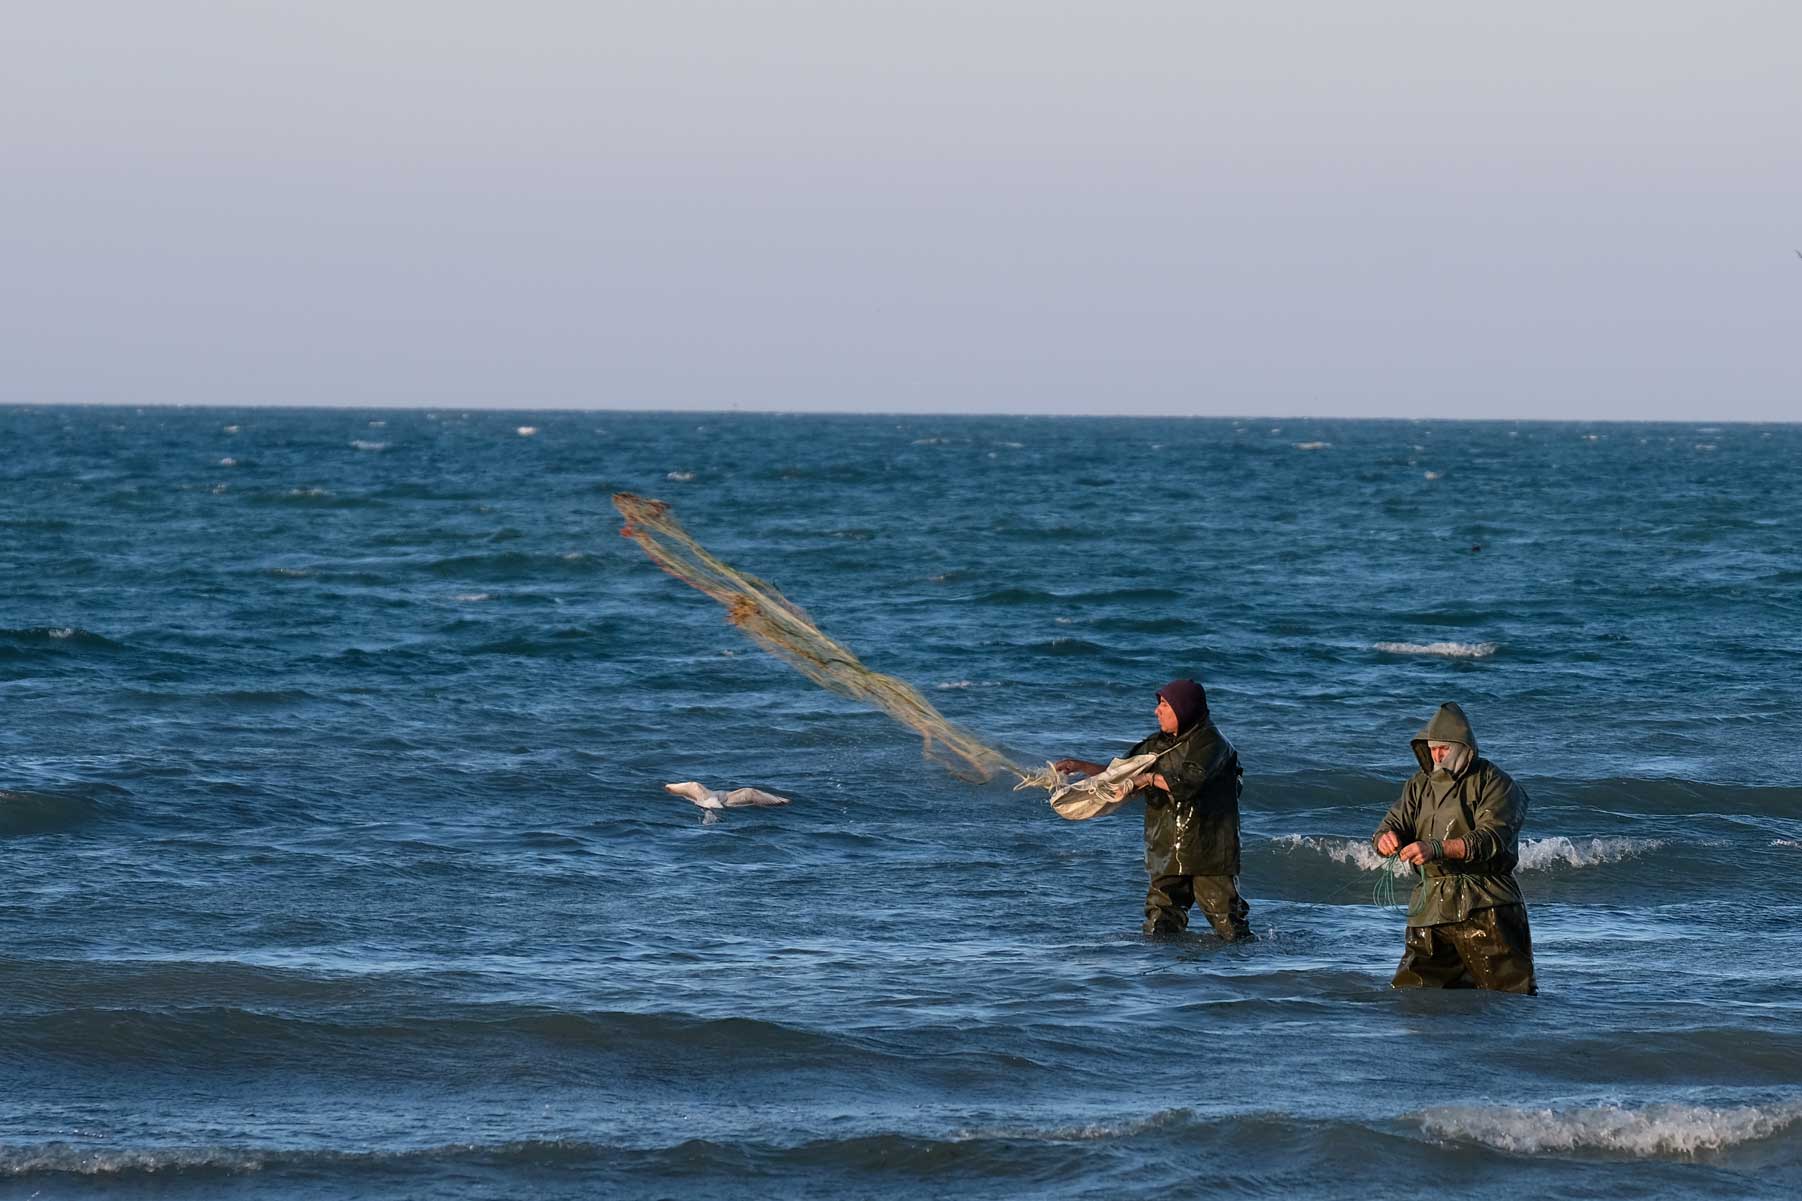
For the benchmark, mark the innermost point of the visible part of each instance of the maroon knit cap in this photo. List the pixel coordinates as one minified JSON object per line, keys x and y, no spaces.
{"x":1187,"y":701}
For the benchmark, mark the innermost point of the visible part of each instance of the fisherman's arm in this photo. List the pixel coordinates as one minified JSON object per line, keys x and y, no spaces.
{"x":1501,"y":811}
{"x":1398,"y":823}
{"x":1187,"y":775}
{"x":1079,"y":765}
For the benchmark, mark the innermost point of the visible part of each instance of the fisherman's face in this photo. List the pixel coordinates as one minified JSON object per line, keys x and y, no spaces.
{"x":1166,"y":716}
{"x":1441,"y":751}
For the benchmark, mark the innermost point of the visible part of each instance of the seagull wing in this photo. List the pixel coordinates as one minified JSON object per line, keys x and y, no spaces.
{"x":752,"y":796}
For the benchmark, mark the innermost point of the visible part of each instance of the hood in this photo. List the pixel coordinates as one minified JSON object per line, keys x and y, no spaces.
{"x":1447,"y":725}
{"x":1188,"y":700}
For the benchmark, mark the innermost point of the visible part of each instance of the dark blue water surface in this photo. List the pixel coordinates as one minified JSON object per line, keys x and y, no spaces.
{"x":337,"y":862}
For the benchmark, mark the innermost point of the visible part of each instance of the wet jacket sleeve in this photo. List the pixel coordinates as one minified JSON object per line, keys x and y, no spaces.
{"x":1402,"y":815}
{"x":1195,"y":769}
{"x":1501,"y":810}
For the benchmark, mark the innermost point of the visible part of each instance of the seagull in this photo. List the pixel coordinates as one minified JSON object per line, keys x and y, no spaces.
{"x":713,"y":801}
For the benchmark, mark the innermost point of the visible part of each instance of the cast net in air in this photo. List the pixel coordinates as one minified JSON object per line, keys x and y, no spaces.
{"x":779,"y":626}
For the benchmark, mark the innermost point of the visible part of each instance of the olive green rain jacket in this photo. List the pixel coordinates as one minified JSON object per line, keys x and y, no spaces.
{"x":1193,"y":830}
{"x":1482,"y":805}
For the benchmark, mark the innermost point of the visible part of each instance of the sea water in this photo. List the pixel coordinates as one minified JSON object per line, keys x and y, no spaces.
{"x":337,"y":861}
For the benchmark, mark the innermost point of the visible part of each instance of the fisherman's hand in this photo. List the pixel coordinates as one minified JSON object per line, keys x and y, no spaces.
{"x":1075,"y":765}
{"x":1418,"y":853}
{"x":1387,"y":842}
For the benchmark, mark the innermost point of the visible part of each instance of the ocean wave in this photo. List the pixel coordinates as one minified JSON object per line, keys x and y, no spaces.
{"x":1535,"y":854}
{"x":1444,"y":650}
{"x":1356,"y":852}
{"x":72,"y":635}
{"x":1786,"y":842}
{"x":1016,"y":596}
{"x":26,"y":813}
{"x":410,"y":1042}
{"x":160,"y":1163}
{"x":1649,"y":1132}
{"x":1163,"y":1119}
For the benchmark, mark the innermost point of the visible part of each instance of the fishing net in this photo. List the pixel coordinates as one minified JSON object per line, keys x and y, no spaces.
{"x":779,"y":626}
{"x":1094,"y":796}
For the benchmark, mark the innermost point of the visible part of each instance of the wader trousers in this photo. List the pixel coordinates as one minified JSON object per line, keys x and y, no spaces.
{"x":1493,"y":948}
{"x":1167,"y":905}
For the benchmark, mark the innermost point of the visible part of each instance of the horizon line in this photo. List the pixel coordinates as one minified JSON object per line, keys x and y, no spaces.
{"x":962,"y":415}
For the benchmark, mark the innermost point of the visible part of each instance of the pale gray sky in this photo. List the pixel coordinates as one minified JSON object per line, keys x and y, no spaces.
{"x":1168,"y":206}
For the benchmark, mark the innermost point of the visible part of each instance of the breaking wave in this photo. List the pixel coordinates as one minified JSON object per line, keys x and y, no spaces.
{"x":1650,"y":1132}
{"x":1535,"y":853}
{"x":1445,"y":650}
{"x":1582,"y":852}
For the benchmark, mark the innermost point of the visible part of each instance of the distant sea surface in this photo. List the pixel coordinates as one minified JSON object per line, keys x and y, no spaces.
{"x":337,"y":861}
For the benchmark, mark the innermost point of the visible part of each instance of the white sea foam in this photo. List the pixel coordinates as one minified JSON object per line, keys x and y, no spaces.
{"x":360,"y":444}
{"x":1786,"y":842}
{"x":1582,"y":852}
{"x":62,"y":632}
{"x":1085,"y":1132}
{"x":1433,"y":475}
{"x":1650,"y":1132}
{"x":1448,"y":650}
{"x":1355,"y":851}
{"x":680,"y":477}
{"x":954,"y":685}
{"x":231,"y":429}
{"x":228,"y":462}
{"x":472,"y":597}
{"x":78,"y":1160}
{"x":1312,"y":445}
{"x":1534,"y":853}
{"x":526,"y":431}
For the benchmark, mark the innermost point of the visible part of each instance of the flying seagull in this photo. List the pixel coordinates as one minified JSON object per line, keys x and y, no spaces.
{"x":713,"y":801}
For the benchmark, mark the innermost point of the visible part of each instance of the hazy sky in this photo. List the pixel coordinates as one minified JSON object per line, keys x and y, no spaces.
{"x":1318,"y":207}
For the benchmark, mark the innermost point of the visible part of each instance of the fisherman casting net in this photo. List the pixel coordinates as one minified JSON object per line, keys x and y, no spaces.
{"x":779,"y":626}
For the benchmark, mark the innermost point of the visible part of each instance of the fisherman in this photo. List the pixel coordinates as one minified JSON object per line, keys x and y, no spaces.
{"x":1191,"y":816}
{"x":1459,"y":821}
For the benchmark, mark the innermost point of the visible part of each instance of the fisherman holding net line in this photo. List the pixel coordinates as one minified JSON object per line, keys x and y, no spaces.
{"x":1188,"y":772}
{"x":1191,"y":780}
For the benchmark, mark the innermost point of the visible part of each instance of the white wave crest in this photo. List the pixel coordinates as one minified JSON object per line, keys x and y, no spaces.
{"x":526,"y":431}
{"x":1654,"y":1131}
{"x":680,"y":477}
{"x":1786,"y":842}
{"x":74,"y":1160}
{"x":1312,"y":445}
{"x":1448,"y":650}
{"x":360,"y":444}
{"x":1534,"y":853}
{"x":472,"y":597}
{"x":1582,"y":852}
{"x":1100,"y":1129}
{"x":1354,"y":851}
